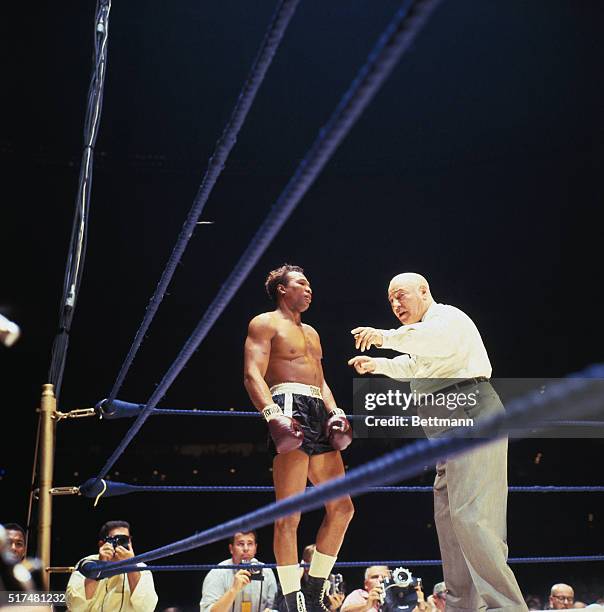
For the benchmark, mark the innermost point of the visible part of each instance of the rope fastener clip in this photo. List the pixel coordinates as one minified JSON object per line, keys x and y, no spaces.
{"x":76,"y":414}
{"x":65,"y":491}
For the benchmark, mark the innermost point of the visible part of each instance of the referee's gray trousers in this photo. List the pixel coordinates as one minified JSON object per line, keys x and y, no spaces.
{"x":470,"y":506}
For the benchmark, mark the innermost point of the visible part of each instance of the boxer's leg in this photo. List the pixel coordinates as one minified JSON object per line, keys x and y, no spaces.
{"x":290,"y":474}
{"x":338,"y":514}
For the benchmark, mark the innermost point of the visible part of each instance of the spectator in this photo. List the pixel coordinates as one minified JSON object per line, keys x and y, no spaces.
{"x":231,"y":590}
{"x":15,"y":535}
{"x":580,"y":604}
{"x":438,"y":599}
{"x":370,"y":597}
{"x":131,"y":592}
{"x":562,"y":597}
{"x":533,"y":602}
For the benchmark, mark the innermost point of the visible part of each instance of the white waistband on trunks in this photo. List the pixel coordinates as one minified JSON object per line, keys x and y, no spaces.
{"x":296,"y":389}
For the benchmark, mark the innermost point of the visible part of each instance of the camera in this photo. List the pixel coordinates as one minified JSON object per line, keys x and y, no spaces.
{"x":254,"y":567}
{"x":399,"y":591}
{"x":336,"y":584}
{"x":118,"y":540}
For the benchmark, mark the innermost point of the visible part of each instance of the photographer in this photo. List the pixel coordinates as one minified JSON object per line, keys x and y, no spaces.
{"x":131,"y":592}
{"x":369,"y":597}
{"x":438,"y":599}
{"x":250,"y":589}
{"x":372,"y":596}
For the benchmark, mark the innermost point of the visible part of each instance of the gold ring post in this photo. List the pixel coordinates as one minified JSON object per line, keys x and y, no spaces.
{"x":48,"y":411}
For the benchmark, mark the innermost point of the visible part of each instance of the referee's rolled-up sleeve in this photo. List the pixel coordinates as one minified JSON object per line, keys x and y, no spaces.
{"x":401,"y":368}
{"x":436,"y":337}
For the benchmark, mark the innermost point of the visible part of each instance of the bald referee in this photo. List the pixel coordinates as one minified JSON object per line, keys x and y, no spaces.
{"x":470,"y":491}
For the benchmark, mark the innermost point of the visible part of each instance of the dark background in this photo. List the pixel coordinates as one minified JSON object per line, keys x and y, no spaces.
{"x":479,"y":164}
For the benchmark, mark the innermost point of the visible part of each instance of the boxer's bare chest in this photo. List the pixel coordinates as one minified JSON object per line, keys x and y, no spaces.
{"x":294,"y":341}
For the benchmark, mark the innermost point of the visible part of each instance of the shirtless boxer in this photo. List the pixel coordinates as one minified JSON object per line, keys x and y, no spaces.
{"x":284,"y":378}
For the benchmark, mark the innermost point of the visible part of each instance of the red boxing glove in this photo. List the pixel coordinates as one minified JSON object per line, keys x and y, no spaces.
{"x":338,"y":429}
{"x":286,"y":432}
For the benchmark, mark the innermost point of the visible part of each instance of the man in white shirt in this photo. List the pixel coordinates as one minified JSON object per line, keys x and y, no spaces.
{"x":131,"y":592}
{"x":470,"y":491}
{"x":232,"y":590}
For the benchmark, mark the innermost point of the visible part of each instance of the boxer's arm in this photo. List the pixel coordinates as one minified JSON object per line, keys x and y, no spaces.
{"x":337,"y":427}
{"x":256,"y":357}
{"x":328,"y":398}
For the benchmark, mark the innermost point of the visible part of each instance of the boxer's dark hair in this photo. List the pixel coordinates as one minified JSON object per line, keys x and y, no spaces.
{"x":14,"y":527}
{"x":252,"y":531}
{"x":279,"y":277}
{"x":109,"y":525}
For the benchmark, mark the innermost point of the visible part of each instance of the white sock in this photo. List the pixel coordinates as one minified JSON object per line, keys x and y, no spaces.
{"x":289,"y":577}
{"x":321,"y":565}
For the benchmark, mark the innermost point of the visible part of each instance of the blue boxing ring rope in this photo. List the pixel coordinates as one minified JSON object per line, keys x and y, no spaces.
{"x":395,"y":40}
{"x":118,"y":409}
{"x":192,"y":567}
{"x":373,"y":476}
{"x":398,"y":465}
{"x":268,"y":49}
{"x":109,"y":488}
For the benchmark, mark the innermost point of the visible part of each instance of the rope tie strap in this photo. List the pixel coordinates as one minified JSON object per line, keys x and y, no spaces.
{"x":96,"y":501}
